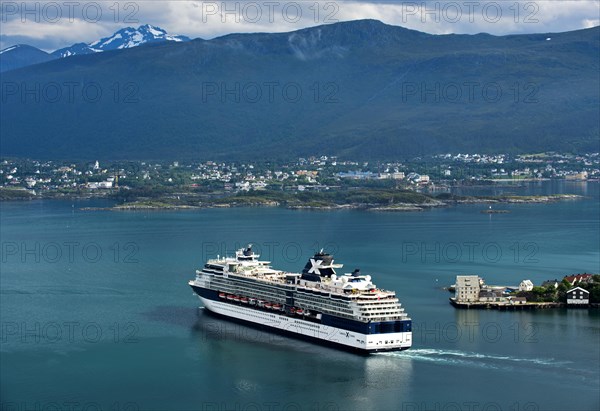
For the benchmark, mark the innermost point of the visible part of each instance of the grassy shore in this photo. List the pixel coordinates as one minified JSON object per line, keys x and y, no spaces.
{"x":382,"y":200}
{"x":373,"y":199}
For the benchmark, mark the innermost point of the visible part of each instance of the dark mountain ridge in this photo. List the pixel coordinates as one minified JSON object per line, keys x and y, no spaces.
{"x":360,"y":89}
{"x":22,"y":55}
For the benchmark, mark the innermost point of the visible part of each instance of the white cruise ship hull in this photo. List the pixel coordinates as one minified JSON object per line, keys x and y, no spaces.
{"x":309,"y":329}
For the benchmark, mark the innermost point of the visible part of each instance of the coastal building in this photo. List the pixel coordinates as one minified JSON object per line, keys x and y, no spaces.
{"x":467,"y":288}
{"x":259,"y":185}
{"x":526,"y":285}
{"x":578,"y":278}
{"x":517,"y":300}
{"x":359,"y":175}
{"x":488,"y":296}
{"x":243,"y":186}
{"x":577,"y":176}
{"x":100,"y":184}
{"x":578,"y":296}
{"x":550,"y":283}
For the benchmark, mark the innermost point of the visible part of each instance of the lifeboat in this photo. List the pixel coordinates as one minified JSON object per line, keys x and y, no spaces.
{"x":268,"y":305}
{"x":222,"y":295}
{"x":277,"y":307}
{"x":299,"y":311}
{"x":230,"y":297}
{"x":244,"y":300}
{"x":236,"y":298}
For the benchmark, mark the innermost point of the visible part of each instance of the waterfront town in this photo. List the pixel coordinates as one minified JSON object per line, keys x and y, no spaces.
{"x":36,"y":178}
{"x":576,"y":290}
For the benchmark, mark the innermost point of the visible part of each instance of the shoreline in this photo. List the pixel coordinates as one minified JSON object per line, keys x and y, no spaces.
{"x":405,"y":207}
{"x":432,"y":203}
{"x":399,"y":207}
{"x":523,"y":306}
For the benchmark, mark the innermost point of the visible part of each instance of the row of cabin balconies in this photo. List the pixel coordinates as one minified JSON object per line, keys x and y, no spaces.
{"x":381,"y":307}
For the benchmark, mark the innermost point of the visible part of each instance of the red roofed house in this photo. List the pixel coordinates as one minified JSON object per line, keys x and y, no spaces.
{"x":578,"y":278}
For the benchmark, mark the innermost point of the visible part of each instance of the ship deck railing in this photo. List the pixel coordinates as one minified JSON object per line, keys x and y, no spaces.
{"x":279,"y":277}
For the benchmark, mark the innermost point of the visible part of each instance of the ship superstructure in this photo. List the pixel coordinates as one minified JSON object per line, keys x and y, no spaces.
{"x":348,"y":309}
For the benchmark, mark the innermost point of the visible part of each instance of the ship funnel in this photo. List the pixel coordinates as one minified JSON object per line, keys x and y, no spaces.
{"x":320,"y":265}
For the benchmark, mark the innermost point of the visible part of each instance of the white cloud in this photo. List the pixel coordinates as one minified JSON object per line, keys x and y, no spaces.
{"x":36,"y":23}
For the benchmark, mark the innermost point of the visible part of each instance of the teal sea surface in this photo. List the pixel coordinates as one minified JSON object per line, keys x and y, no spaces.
{"x":96,"y":312}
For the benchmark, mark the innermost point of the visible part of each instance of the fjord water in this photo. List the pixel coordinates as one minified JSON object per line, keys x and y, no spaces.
{"x":96,"y":311}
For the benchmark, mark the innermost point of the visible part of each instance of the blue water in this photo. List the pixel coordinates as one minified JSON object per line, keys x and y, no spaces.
{"x":96,"y":312}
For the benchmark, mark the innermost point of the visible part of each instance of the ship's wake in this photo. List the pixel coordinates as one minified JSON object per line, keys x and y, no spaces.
{"x":472,"y":358}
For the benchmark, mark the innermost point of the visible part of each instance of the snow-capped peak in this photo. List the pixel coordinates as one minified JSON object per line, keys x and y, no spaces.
{"x":125,"y":38}
{"x":155,"y":31}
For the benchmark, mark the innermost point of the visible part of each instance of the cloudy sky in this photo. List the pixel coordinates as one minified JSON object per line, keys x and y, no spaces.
{"x":50,"y":25}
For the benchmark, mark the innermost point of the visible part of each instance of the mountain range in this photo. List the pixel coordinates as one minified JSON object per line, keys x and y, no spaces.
{"x":359,"y":89}
{"x":22,"y":55}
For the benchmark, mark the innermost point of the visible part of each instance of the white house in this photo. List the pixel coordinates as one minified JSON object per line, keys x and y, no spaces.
{"x":526,"y":285}
{"x":259,"y":185}
{"x":243,"y":186}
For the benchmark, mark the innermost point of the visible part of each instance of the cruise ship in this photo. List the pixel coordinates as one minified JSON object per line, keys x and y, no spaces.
{"x":346,"y":310}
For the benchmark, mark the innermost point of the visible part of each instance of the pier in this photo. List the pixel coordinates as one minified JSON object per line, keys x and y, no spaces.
{"x":505,"y":305}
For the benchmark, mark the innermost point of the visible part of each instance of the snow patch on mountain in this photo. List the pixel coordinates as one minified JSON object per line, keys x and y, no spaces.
{"x":9,"y":49}
{"x":125,"y":38}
